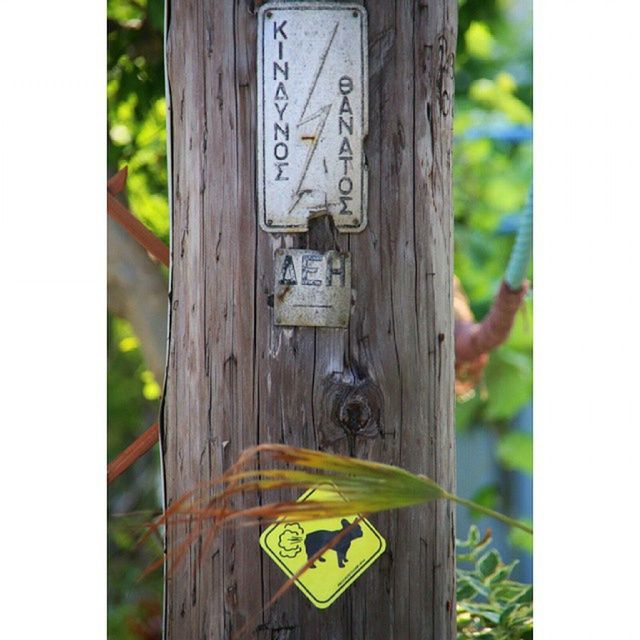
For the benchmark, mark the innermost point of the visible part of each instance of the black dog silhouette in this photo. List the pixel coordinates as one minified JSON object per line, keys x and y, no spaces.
{"x":318,"y":539}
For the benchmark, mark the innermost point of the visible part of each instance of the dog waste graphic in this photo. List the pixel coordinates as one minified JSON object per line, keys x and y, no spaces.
{"x":291,"y":544}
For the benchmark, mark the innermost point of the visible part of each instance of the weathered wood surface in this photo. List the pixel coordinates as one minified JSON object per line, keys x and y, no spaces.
{"x":383,"y":389}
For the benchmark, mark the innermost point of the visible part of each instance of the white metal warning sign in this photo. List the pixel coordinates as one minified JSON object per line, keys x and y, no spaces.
{"x":312,"y":115}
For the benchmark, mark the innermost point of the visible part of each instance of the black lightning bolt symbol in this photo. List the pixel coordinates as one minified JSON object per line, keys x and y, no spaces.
{"x":322,"y":114}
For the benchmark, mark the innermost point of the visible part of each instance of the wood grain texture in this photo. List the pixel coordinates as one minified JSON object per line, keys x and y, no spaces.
{"x":383,"y":389}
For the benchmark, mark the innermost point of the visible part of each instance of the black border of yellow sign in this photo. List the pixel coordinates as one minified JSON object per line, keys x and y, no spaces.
{"x":342,"y":586}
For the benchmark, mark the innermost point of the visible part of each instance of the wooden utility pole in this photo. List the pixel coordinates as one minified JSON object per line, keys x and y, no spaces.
{"x":381,"y":389}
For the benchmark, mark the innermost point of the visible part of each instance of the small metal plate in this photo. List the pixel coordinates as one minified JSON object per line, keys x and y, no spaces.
{"x":312,"y":289}
{"x":312,"y":115}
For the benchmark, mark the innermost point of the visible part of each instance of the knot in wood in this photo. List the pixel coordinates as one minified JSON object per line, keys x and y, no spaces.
{"x":355,"y":413}
{"x":356,"y":407}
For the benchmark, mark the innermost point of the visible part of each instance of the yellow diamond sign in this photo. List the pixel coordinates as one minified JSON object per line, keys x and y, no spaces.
{"x":291,"y":544}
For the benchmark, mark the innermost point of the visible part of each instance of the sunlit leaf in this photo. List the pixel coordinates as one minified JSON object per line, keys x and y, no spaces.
{"x":128,"y":344}
{"x":488,"y":563}
{"x":151,"y":389}
{"x":498,"y":94}
{"x":479,"y":41}
{"x":120,"y":134}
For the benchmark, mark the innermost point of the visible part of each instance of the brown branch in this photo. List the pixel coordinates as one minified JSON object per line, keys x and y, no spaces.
{"x":117,"y":182}
{"x":160,"y":251}
{"x":135,"y":450}
{"x":137,"y":291}
{"x":474,"y":340}
{"x":133,"y":226}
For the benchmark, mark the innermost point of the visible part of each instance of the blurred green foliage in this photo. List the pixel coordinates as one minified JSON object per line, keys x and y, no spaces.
{"x":492,"y":177}
{"x":133,"y":498}
{"x":136,"y":106}
{"x":491,"y":180}
{"x":136,"y":137}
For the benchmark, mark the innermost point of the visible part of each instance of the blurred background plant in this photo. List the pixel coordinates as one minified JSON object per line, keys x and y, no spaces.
{"x":136,"y":133}
{"x":492,"y":175}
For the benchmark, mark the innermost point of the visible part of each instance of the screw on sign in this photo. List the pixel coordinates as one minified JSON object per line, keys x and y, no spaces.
{"x":352,"y":546}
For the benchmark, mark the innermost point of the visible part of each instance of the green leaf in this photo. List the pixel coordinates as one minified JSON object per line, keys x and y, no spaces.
{"x":474,"y":536}
{"x":467,"y":412}
{"x":502,"y":574}
{"x":487,"y":496}
{"x":515,"y":451}
{"x":506,"y":613}
{"x":484,"y":611}
{"x":522,"y":539}
{"x":521,"y":336}
{"x":526,"y":597}
{"x":479,"y":588}
{"x":509,"y":380}
{"x":488,"y":563}
{"x":479,"y":41}
{"x":508,"y":591}
{"x":465,"y":589}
